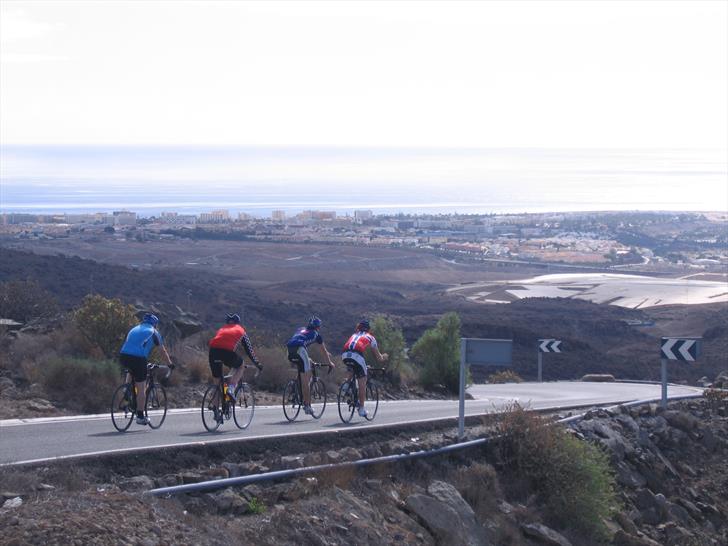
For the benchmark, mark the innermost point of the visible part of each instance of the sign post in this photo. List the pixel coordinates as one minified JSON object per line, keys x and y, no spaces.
{"x":480,"y":352}
{"x":546,"y":346}
{"x":674,"y":348}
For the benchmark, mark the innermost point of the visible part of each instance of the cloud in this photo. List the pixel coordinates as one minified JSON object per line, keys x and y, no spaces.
{"x":16,"y":26}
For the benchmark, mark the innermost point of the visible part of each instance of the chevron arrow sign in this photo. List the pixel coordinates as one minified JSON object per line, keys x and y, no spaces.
{"x":673,"y":348}
{"x":549,"y":345}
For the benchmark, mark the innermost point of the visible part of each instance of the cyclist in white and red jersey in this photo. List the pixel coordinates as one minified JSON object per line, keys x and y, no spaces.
{"x":224,"y":348}
{"x":353,"y":357}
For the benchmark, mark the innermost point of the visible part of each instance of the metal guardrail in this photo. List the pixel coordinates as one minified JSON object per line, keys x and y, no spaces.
{"x":212,"y":485}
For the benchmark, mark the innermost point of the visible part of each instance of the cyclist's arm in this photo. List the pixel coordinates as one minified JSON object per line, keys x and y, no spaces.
{"x":327,"y":354}
{"x":166,"y":354}
{"x":381,"y":357}
{"x":245,"y":343}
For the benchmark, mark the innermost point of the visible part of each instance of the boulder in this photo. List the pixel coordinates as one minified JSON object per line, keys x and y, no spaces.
{"x":622,"y":538}
{"x":447,"y":515}
{"x":187,"y":326}
{"x":545,"y":535}
{"x":721,"y":380}
{"x":681,"y":420}
{"x":599,"y":378}
{"x":15,"y":502}
{"x":136,"y":483}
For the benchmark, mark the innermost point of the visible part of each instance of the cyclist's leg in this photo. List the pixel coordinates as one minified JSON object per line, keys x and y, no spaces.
{"x":216,"y":370}
{"x":137,"y":367}
{"x":305,"y":376}
{"x":236,"y":363}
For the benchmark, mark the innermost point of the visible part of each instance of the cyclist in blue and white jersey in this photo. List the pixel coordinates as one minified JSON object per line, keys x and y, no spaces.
{"x":298,"y":354}
{"x":134,"y":354}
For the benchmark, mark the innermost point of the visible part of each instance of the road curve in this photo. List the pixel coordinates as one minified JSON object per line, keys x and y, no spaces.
{"x":46,"y":439}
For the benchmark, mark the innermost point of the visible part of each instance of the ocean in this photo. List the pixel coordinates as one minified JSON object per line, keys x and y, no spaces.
{"x":153,"y":179}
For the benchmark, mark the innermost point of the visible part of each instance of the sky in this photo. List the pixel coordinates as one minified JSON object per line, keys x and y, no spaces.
{"x":371,"y":74}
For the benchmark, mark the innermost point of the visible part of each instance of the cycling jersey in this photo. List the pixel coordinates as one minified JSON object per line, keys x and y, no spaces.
{"x":141,"y":340}
{"x":304,"y":337}
{"x":359,"y":342}
{"x":230,"y":338}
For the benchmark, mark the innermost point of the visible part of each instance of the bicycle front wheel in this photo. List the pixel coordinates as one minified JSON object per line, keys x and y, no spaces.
{"x":155,"y":407}
{"x":122,"y":407}
{"x":372,"y":400}
{"x":291,"y":400}
{"x":318,"y":397}
{"x":244,"y":406}
{"x":211,"y":408}
{"x":346,"y":401}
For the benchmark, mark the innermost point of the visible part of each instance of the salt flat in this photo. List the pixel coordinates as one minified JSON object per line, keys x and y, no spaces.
{"x":632,"y":291}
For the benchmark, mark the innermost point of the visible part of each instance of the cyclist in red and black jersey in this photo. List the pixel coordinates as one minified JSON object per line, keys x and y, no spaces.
{"x":225,"y":347}
{"x":353,"y":357}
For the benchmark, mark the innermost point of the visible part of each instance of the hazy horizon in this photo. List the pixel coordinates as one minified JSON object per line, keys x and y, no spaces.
{"x":256,"y":180}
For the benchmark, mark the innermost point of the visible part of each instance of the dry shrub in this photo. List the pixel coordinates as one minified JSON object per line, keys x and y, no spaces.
{"x":573,"y":478}
{"x":340,"y":476}
{"x":716,"y":398}
{"x":192,"y":363}
{"x":276,"y":369}
{"x":478,"y":484}
{"x":81,"y":385}
{"x":506,"y":376}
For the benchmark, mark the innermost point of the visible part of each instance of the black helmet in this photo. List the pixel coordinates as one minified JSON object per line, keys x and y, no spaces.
{"x":232,"y":318}
{"x":314,"y":322}
{"x":363,"y":325}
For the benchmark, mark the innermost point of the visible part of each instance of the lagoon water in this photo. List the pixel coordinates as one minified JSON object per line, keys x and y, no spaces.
{"x":150,"y":180}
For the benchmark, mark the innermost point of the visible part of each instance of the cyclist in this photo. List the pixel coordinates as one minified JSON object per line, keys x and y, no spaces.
{"x":298,"y":354}
{"x":134,"y":355}
{"x":353,"y":357}
{"x":225,"y":346}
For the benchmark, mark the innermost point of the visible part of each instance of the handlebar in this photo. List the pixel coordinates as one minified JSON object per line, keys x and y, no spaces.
{"x":154,"y":366}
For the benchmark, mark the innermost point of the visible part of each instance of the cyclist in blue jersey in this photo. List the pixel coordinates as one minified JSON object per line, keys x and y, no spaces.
{"x":134,"y":355}
{"x":298,"y":354}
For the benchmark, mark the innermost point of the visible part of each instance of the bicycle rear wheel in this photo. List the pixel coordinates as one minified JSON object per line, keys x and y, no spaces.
{"x":211,"y":412}
{"x":372,"y":400}
{"x":244,"y":406}
{"x":291,"y":400}
{"x":346,"y":401}
{"x":122,"y":407}
{"x":155,"y":407}
{"x":318,"y":397}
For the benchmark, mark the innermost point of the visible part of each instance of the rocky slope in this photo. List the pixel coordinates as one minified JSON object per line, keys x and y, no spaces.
{"x":671,"y":469}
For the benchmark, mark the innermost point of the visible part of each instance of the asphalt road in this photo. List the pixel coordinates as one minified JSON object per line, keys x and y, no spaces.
{"x":26,"y":440}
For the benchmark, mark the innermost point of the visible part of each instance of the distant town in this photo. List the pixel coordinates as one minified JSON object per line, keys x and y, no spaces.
{"x":626,"y":240}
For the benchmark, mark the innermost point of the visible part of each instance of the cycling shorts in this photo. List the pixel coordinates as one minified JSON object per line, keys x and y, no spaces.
{"x":356,"y":362}
{"x":299,"y":356}
{"x":137,"y":366}
{"x":218,"y":357}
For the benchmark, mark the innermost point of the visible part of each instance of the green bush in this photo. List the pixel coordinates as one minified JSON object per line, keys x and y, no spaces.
{"x":391,"y":341}
{"x":506,"y":376}
{"x":81,"y":385}
{"x":437,"y":353}
{"x":105,"y":322}
{"x":572,"y":477}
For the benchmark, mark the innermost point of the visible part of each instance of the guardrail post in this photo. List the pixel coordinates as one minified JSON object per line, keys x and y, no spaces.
{"x":461,"y":412}
{"x":663,"y":377}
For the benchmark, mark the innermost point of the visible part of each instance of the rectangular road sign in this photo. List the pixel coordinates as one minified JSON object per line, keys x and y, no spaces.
{"x":488,"y":352}
{"x":676,"y":348}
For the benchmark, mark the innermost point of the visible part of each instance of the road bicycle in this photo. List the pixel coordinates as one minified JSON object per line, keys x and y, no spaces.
{"x":293,"y":395}
{"x":348,"y":397}
{"x":124,"y":400}
{"x":217,"y":405}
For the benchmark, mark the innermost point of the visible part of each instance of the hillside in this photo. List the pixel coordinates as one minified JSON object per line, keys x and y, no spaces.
{"x":596,"y":338}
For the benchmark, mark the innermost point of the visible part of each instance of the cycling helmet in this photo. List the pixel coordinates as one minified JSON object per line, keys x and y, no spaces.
{"x":363,"y":325}
{"x":150,"y":319}
{"x":232,"y":318}
{"x":314,"y":322}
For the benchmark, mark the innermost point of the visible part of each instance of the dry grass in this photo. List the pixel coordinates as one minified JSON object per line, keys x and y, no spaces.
{"x":506,"y":376}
